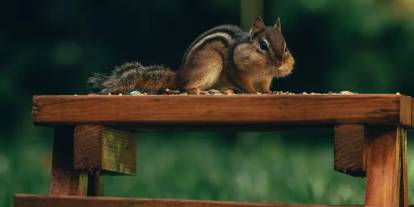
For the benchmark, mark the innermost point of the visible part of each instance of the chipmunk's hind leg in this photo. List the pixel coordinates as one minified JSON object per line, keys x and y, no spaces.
{"x":202,"y":72}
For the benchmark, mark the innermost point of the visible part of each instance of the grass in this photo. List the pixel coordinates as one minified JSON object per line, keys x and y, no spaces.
{"x":265,"y":167}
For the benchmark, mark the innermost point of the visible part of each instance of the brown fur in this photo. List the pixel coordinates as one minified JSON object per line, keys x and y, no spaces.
{"x":204,"y":69}
{"x":134,"y":76}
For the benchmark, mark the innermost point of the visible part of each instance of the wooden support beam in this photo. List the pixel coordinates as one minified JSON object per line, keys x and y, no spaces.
{"x":138,"y":112}
{"x":22,"y":200}
{"x":412,"y":112}
{"x":100,"y":149}
{"x":65,"y":179}
{"x":386,"y":175}
{"x":404,"y":169}
{"x":349,"y":149}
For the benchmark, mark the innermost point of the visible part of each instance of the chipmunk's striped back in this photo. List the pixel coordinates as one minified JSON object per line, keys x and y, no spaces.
{"x":227,"y":34}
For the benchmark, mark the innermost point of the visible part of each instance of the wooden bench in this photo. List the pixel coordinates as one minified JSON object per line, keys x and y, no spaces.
{"x":94,"y":135}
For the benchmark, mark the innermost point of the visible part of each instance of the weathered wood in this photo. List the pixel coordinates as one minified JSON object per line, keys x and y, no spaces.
{"x":383,"y":157}
{"x":22,"y":200}
{"x":88,"y":147}
{"x":349,"y":149}
{"x":65,"y":179}
{"x":190,"y":111}
{"x":100,"y":149}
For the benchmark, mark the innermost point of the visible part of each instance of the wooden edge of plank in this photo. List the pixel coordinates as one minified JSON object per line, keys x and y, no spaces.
{"x":25,"y":200}
{"x":406,"y":111}
{"x":412,"y":112}
{"x":349,"y":149}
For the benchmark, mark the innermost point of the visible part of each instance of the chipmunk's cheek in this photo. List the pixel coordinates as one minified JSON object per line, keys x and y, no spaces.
{"x":246,"y":57}
{"x":286,"y":68}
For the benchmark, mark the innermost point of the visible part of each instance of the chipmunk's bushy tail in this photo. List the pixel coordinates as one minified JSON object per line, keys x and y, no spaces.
{"x":153,"y":79}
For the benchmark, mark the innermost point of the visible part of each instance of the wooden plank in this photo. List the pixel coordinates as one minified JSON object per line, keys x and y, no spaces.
{"x":22,"y":200}
{"x":174,"y":111}
{"x":383,"y":166}
{"x":349,"y":149}
{"x":100,"y":149}
{"x":65,"y":179}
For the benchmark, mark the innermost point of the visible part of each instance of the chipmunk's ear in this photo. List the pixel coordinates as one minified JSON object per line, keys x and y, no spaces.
{"x":278,"y":25}
{"x":257,"y":25}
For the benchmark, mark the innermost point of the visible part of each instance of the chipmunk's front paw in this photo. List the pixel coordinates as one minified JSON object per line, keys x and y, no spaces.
{"x":266,"y":91}
{"x":193,"y":91}
{"x":229,"y":92}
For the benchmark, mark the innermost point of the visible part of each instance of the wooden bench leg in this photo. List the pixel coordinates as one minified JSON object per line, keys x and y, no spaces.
{"x":404,"y":170}
{"x":65,"y":179}
{"x":386,"y":182}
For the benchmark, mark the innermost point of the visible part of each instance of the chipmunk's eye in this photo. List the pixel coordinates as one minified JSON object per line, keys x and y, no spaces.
{"x":264,"y":45}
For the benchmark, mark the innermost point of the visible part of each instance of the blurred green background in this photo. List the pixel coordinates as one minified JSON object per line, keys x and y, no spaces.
{"x":51,"y":47}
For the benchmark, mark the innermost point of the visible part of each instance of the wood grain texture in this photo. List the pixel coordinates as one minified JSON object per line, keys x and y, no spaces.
{"x":173,"y":111}
{"x":349,"y":149}
{"x":383,"y":157}
{"x":406,"y":111}
{"x":22,"y":200}
{"x":100,"y":149}
{"x":65,"y":179}
{"x":88,"y":148}
{"x":118,"y":151}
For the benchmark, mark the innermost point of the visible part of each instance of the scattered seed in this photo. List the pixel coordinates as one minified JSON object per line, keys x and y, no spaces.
{"x":135,"y":93}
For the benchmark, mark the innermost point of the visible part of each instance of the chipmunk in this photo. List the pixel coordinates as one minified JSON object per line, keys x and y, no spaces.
{"x":224,"y":58}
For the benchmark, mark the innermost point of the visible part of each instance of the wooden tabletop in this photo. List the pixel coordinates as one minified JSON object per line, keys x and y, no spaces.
{"x":223,"y":110}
